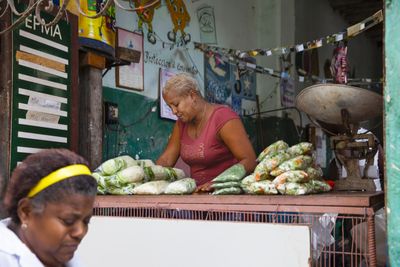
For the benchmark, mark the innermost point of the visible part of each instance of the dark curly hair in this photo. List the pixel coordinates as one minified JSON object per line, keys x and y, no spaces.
{"x":36,"y":166}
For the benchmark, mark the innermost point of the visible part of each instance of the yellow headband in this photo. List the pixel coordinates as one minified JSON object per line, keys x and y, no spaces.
{"x":59,"y":175}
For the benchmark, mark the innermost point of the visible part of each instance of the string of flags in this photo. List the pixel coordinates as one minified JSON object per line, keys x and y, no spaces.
{"x":237,"y":57}
{"x":350,"y":32}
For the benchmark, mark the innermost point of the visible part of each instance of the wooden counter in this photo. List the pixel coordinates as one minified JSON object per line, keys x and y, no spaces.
{"x":339,"y":202}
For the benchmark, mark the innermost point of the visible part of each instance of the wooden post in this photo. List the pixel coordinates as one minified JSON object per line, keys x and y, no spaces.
{"x":5,"y":103}
{"x":91,"y":111}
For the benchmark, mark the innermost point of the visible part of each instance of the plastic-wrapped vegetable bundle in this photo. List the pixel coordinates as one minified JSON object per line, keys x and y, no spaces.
{"x":157,"y":172}
{"x":319,"y":186}
{"x":294,"y":189}
{"x":269,"y":163}
{"x":123,"y":190}
{"x":246,"y":182}
{"x":225,"y":185}
{"x":297,"y":163}
{"x":272,"y":149}
{"x":291,"y":176}
{"x":262,"y":188}
{"x":131,"y":174}
{"x":151,"y":188}
{"x":145,"y":163}
{"x":233,"y":173}
{"x":228,"y":191}
{"x":181,"y":187}
{"x":114,"y":165}
{"x":302,"y":148}
{"x":314,"y":173}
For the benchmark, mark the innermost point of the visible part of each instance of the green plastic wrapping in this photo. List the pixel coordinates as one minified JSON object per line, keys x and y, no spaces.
{"x":157,"y":172}
{"x":112,"y":166}
{"x":123,"y":190}
{"x":272,"y":149}
{"x":294,"y":189}
{"x":151,"y":188}
{"x":184,"y":186}
{"x":314,"y":173}
{"x":225,"y":185}
{"x":228,"y":191}
{"x":246,"y":182}
{"x":319,"y":186}
{"x":292,"y":176}
{"x":233,"y":173}
{"x":269,"y":163}
{"x":297,"y":163}
{"x":302,"y":148}
{"x":131,"y":174}
{"x":262,"y":188}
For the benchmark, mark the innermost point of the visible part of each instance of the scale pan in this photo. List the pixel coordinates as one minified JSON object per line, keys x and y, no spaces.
{"x":324,"y":102}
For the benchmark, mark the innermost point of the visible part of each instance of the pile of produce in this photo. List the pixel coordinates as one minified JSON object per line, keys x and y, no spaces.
{"x":228,"y":182}
{"x":281,"y":170}
{"x":287,"y":170}
{"x":126,"y":176}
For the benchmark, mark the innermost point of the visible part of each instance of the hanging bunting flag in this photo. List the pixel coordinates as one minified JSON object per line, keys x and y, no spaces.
{"x":330,"y":39}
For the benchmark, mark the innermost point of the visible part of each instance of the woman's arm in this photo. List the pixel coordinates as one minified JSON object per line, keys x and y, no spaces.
{"x":235,"y":138}
{"x":171,"y":153}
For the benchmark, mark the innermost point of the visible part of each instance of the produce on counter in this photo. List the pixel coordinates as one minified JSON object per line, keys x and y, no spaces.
{"x":301,"y":162}
{"x":131,"y":174}
{"x":225,"y":185}
{"x":151,"y":188}
{"x":111,"y":166}
{"x":121,"y":175}
{"x":184,"y":186}
{"x":145,"y":163}
{"x":294,"y":189}
{"x":270,"y":162}
{"x":265,"y":187}
{"x":281,"y":170}
{"x":157,"y":172}
{"x":234,"y":173}
{"x":273,"y":149}
{"x":296,"y":175}
{"x":228,"y":191}
{"x":291,"y":176}
{"x":302,"y":148}
{"x":314,"y":173}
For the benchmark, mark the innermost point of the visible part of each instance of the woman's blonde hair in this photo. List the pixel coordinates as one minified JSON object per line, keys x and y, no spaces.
{"x":182,"y":84}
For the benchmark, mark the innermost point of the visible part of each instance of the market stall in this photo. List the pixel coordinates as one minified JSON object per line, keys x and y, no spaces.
{"x":329,"y":216}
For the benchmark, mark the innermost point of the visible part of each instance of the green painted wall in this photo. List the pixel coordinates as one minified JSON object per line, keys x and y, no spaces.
{"x":392,"y":127}
{"x":140,"y":131}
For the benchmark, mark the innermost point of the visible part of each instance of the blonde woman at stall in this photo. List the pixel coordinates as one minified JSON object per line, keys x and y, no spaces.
{"x":208,"y":137}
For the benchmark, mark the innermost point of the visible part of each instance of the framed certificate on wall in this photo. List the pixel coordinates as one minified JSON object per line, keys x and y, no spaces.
{"x":130,"y":76}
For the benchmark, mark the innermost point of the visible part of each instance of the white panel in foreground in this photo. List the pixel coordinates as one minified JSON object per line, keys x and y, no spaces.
{"x":122,"y":241}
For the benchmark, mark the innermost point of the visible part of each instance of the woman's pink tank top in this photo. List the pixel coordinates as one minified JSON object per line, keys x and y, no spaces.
{"x":206,"y":155}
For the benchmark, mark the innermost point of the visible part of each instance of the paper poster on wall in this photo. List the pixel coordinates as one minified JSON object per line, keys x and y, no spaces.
{"x":130,"y":76}
{"x":217,"y":79}
{"x":245,"y":82}
{"x":205,"y":16}
{"x":287,"y":92}
{"x":165,"y":110}
{"x":237,"y":104}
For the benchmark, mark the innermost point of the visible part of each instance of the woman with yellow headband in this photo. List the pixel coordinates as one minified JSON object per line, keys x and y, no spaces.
{"x":49,"y":199}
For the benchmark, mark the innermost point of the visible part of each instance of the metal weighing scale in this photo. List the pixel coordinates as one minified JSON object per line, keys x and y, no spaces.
{"x":338,"y":109}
